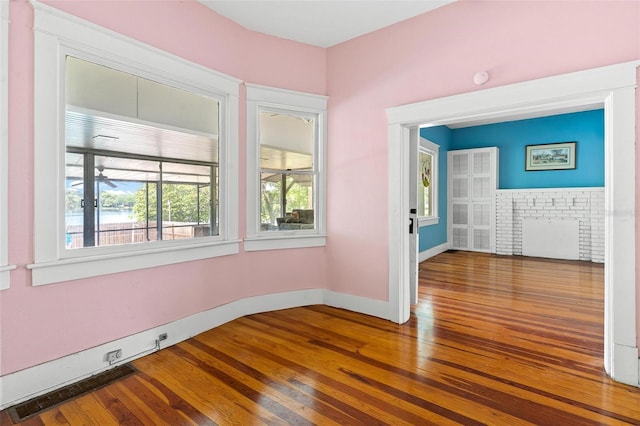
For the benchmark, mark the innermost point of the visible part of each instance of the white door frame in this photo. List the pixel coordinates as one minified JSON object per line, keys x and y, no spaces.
{"x":414,"y":222}
{"x":612,"y":88}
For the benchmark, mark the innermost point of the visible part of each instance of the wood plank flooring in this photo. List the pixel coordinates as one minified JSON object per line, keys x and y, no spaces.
{"x":493,"y":340}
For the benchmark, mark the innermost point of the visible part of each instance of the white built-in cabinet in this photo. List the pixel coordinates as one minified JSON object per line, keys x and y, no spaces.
{"x":472,"y":183}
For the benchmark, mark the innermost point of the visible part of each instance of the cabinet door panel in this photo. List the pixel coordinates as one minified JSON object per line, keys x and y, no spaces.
{"x":473,"y":176}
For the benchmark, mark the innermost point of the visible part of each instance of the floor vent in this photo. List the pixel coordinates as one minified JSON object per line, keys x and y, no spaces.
{"x":32,"y":407}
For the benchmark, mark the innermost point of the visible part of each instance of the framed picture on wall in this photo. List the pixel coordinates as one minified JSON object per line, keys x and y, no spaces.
{"x":552,"y":156}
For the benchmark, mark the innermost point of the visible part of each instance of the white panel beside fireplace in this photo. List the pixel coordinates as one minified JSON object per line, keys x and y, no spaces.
{"x":558,"y":239}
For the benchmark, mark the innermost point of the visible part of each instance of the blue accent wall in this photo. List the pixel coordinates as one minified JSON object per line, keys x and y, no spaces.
{"x":586,"y":128}
{"x":433,"y":235}
{"x":511,"y":138}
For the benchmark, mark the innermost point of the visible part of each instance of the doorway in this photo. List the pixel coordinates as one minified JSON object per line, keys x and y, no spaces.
{"x":611,"y":88}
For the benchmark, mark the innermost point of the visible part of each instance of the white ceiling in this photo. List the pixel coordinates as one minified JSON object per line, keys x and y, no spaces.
{"x":321,"y":23}
{"x":326,"y":23}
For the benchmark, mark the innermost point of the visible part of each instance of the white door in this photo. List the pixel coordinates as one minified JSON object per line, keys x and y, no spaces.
{"x":472,"y":183}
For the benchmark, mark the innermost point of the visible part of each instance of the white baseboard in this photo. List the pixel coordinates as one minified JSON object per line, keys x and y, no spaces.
{"x":424,"y":255}
{"x":626,"y":364}
{"x":40,"y":379}
{"x":376,"y":308}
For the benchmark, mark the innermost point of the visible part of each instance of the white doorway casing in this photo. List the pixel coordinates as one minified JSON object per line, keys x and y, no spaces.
{"x":612,"y":88}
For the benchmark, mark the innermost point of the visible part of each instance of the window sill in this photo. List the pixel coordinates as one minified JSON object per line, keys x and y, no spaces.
{"x":92,"y":266}
{"x":279,"y":242}
{"x":427,"y":221}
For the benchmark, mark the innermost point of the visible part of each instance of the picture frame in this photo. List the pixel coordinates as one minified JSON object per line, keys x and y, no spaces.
{"x":551,"y":156}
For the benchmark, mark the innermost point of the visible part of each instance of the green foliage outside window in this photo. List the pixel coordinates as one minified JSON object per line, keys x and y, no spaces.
{"x":72,"y":200}
{"x":179,"y":203}
{"x":113,"y":200}
{"x":298,"y":197}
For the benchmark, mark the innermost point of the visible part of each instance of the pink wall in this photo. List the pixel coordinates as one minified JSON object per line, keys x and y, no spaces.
{"x":43,"y":323}
{"x":431,"y":56}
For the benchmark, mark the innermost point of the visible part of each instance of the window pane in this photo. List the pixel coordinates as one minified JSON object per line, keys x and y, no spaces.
{"x":286,"y":141}
{"x":425,"y":167}
{"x":119,"y":202}
{"x":113,"y":110}
{"x":144,"y":154}
{"x":186,"y":210}
{"x":187,"y":203}
{"x":125,"y":194}
{"x":292,"y":210}
{"x":270,"y":201}
{"x":74,"y":200}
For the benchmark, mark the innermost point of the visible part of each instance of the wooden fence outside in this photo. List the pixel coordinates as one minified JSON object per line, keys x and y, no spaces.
{"x":130,"y":233}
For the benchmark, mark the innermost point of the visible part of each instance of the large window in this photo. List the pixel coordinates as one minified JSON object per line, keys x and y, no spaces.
{"x":427,"y":182}
{"x":135,"y":154}
{"x":141,"y":159}
{"x":285,"y":132}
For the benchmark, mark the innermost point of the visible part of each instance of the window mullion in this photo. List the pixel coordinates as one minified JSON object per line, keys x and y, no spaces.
{"x":213,"y":201}
{"x":89,"y":207}
{"x":283,"y":194}
{"x":159,"y":205}
{"x":147,"y":209}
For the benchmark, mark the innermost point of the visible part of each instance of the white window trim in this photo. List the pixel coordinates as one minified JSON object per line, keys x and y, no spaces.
{"x":269,"y":97}
{"x":57,"y":33}
{"x":5,"y":268}
{"x":426,"y":145}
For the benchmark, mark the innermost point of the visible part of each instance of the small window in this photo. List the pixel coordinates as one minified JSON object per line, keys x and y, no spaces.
{"x":285,"y":169}
{"x":427,"y":182}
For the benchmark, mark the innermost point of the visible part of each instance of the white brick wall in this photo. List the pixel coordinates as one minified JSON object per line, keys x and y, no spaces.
{"x":584,"y":204}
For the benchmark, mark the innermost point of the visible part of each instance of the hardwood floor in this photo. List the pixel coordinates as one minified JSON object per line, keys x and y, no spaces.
{"x":493,"y":340}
